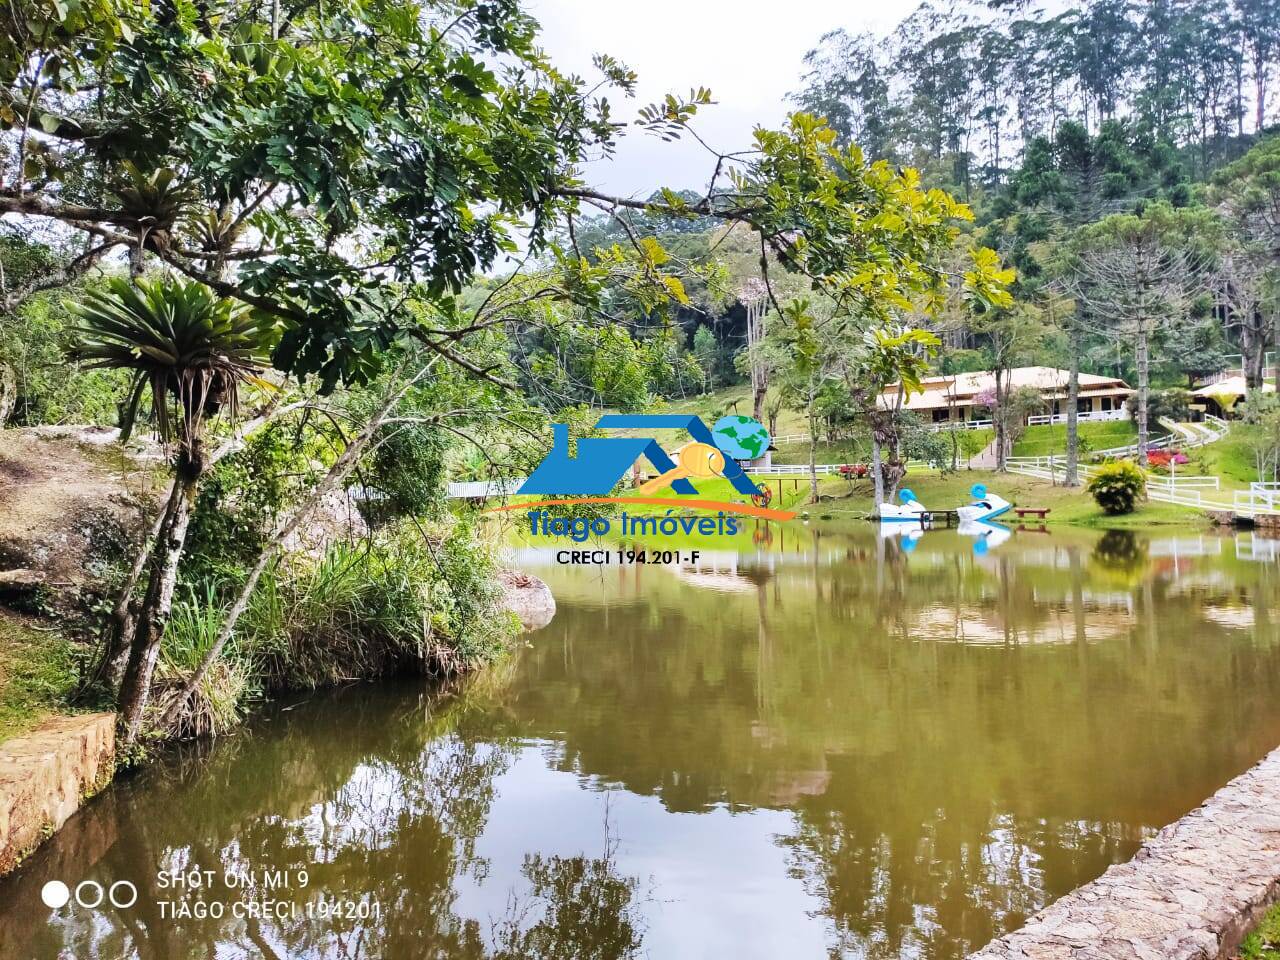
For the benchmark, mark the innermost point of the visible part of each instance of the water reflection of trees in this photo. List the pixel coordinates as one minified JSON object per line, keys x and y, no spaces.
{"x":961,"y":739}
{"x":958,"y":740}
{"x":376,"y":811}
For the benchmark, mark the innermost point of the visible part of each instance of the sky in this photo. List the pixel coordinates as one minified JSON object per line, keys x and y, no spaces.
{"x":750,"y":54}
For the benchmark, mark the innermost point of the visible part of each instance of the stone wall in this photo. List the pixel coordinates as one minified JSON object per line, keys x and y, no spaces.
{"x":1192,"y":892}
{"x":46,"y":775}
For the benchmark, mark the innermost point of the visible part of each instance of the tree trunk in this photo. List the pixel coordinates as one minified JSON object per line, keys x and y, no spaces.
{"x":1275,"y":334}
{"x":8,"y":392}
{"x":153,"y":617}
{"x":1260,"y":97}
{"x":997,"y":416}
{"x":1253,"y":342}
{"x":877,"y":475}
{"x":757,"y":398}
{"x":1144,"y":380}
{"x":813,"y":453}
{"x":1071,"y":478}
{"x":122,"y":622}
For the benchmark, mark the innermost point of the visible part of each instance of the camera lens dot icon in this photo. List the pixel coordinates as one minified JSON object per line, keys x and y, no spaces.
{"x":55,"y":894}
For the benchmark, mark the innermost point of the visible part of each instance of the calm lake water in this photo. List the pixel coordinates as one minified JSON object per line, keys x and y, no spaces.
{"x":826,"y":746}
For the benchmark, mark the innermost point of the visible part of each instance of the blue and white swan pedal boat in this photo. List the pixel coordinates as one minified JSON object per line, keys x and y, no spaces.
{"x":986,"y":535}
{"x":910,"y":510}
{"x":985,"y":506}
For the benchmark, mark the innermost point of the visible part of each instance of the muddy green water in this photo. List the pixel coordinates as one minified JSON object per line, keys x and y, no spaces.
{"x":832,"y":747}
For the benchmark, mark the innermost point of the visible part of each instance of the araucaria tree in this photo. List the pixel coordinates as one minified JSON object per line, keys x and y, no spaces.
{"x":1248,"y":193}
{"x":1137,"y":272}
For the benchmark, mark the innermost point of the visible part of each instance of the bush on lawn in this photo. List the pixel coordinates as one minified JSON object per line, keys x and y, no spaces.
{"x":1117,"y":486}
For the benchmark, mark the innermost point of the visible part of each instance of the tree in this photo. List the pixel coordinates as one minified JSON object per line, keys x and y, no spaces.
{"x":706,"y":350}
{"x":889,"y":356}
{"x":191,"y":350}
{"x":238,"y":150}
{"x":1248,"y":192}
{"x":1138,"y":272}
{"x":1241,"y":287}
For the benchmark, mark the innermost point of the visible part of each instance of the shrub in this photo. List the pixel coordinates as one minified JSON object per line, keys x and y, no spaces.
{"x":402,"y":599}
{"x":219,"y":703}
{"x":1117,"y":486}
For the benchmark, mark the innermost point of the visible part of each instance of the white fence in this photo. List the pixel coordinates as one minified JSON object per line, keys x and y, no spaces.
{"x":1189,"y":490}
{"x":1259,"y":498}
{"x":477,"y":489}
{"x":960,"y":425}
{"x":793,"y":469}
{"x":1084,"y":416}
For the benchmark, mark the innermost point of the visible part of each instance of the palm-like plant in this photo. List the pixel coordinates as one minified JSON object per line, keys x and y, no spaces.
{"x":194,"y":350}
{"x":191,"y":347}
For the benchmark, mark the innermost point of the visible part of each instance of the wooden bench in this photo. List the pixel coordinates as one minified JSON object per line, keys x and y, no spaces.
{"x":1038,"y":512}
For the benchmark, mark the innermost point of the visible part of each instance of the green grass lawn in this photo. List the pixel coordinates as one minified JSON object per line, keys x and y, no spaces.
{"x":1067,"y":505}
{"x":1046,"y":439}
{"x":37,"y":674}
{"x":1230,"y":459}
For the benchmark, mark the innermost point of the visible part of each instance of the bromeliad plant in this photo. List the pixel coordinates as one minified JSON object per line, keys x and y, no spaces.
{"x":193,"y":351}
{"x":192,"y":348}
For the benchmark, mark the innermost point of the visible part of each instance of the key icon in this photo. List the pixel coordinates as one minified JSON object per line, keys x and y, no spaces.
{"x":699,"y":460}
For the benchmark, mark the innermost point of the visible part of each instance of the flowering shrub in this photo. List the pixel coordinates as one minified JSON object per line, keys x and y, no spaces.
{"x":1161,"y":459}
{"x":854,"y":471}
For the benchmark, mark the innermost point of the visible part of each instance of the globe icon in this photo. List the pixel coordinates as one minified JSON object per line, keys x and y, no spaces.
{"x":742,"y":438}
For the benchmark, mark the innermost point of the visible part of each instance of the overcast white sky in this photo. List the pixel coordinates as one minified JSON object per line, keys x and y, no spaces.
{"x":748,"y":52}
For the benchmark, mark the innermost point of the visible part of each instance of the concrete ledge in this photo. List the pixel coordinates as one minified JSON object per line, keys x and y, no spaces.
{"x":46,"y":775}
{"x":1192,"y":892}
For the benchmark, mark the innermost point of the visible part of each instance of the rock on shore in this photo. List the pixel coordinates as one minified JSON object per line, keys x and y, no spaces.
{"x":528,"y":598}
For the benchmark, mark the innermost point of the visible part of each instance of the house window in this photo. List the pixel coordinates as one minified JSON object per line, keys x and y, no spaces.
{"x":1107,"y":404}
{"x":941,"y":415}
{"x":1084,"y":405}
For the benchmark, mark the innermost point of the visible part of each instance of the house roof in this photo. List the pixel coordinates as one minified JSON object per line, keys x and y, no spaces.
{"x":960,"y":389}
{"x":1230,"y":386}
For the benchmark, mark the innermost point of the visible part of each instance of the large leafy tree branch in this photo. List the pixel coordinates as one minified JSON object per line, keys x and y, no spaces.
{"x":330,"y":163}
{"x":299,"y":162}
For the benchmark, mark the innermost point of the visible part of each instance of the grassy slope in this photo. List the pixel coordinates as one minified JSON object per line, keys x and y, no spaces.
{"x":1067,"y":505}
{"x":1229,"y":459}
{"x":1041,"y":441}
{"x":37,"y":673}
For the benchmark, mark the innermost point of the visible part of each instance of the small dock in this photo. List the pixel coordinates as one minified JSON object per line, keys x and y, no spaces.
{"x":941,"y":518}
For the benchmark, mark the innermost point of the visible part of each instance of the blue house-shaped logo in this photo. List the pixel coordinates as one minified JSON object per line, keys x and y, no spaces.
{"x":603,"y":461}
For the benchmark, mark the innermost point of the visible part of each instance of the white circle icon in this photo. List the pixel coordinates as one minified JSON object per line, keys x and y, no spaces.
{"x":130,"y":891}
{"x":87,"y":888}
{"x":55,"y":894}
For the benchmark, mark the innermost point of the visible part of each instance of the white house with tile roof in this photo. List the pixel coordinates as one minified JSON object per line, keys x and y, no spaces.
{"x":960,"y":399}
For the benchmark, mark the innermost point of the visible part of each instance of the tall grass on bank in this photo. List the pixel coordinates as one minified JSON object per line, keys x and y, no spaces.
{"x":400,"y":601}
{"x":225,"y":693}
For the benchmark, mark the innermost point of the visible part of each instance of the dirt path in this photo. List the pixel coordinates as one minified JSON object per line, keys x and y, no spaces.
{"x":64,"y":505}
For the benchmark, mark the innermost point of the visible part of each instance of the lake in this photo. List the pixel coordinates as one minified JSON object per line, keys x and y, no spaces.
{"x":825,"y":744}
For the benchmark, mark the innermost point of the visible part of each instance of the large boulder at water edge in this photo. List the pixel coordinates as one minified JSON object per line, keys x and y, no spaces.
{"x":528,"y":598}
